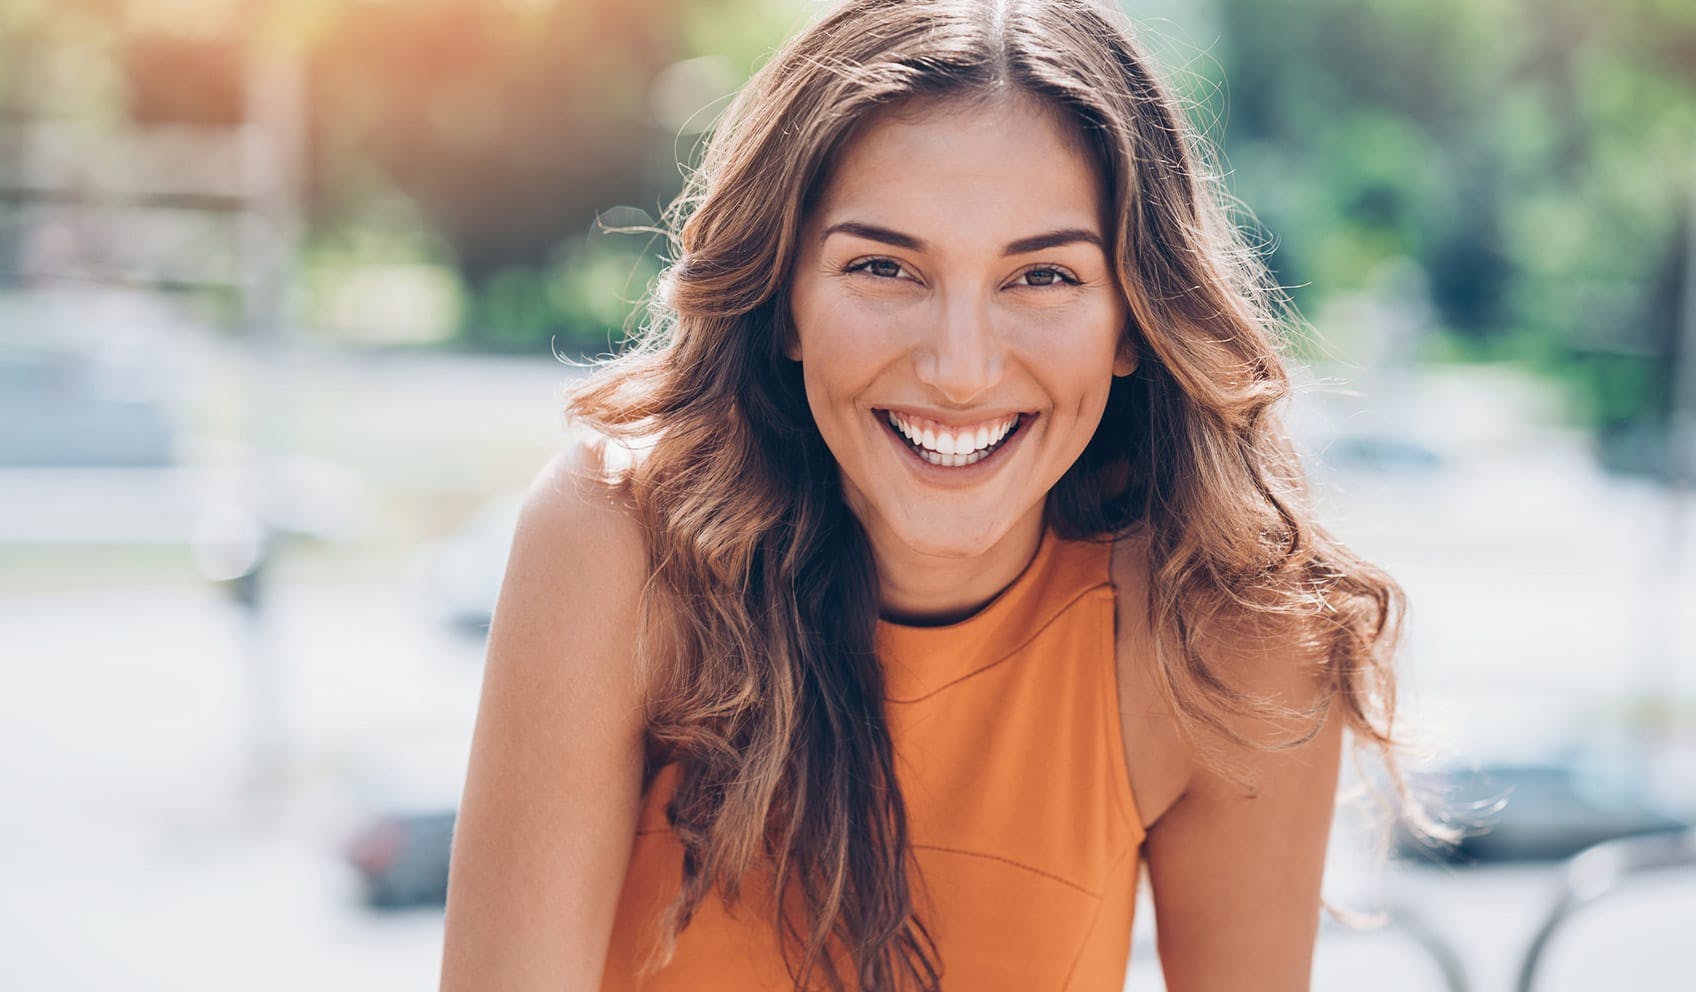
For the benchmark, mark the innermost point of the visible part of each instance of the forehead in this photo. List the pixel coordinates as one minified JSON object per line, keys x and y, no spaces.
{"x":1007,"y":160}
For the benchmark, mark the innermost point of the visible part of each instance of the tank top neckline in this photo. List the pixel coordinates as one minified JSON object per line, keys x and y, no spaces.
{"x":921,"y":661}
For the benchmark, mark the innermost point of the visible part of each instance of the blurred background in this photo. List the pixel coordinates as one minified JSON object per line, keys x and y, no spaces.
{"x":289,"y":292}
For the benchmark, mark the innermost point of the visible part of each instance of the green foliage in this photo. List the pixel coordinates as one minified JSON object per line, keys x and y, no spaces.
{"x":597,"y":290}
{"x":1532,"y":156}
{"x":581,"y":303}
{"x":513,"y":125}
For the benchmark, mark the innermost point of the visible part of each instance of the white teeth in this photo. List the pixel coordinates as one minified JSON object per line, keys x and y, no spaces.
{"x":953,"y":461}
{"x":949,"y":448}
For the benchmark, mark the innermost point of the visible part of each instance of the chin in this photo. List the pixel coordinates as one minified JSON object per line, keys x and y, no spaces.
{"x":938,"y":535}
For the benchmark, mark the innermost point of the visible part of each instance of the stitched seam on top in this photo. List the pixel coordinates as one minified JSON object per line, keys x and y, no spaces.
{"x":971,"y":854}
{"x":1011,"y":861}
{"x":1062,"y":611}
{"x":1095,"y":918}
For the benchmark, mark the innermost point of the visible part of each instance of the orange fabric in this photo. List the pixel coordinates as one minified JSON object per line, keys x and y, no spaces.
{"x":1025,"y":833}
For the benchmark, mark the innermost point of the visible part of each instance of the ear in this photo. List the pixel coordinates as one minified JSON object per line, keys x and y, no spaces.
{"x":1125,"y":358}
{"x":791,"y":339}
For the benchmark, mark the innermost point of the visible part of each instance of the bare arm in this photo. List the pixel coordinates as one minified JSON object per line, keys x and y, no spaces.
{"x":1236,"y":878}
{"x":553,"y":788}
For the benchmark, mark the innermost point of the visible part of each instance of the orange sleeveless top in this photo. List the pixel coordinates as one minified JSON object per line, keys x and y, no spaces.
{"x":1025,"y":835}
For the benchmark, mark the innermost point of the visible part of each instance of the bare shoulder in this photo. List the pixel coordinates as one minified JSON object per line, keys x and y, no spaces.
{"x":577,"y":504}
{"x":553,"y":786}
{"x":1269,"y":657}
{"x":1262,"y":657}
{"x":577,"y":569}
{"x":1156,"y":755}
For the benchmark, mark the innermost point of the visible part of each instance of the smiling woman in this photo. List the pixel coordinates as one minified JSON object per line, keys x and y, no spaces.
{"x":953,"y":282}
{"x":940,"y":564}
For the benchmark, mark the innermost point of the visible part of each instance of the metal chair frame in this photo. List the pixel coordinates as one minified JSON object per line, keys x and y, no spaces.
{"x":1598,"y":872}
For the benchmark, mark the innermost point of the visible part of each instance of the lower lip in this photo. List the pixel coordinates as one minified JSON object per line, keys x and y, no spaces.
{"x":959,"y":474}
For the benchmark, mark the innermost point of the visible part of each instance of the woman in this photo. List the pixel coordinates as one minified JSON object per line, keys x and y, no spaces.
{"x":943,"y":562}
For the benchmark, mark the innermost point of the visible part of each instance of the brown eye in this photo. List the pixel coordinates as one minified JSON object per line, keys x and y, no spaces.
{"x":884,"y":268}
{"x":1047,"y":277}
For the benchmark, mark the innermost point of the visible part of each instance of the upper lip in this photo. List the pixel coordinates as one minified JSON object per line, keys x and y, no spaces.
{"x":955,"y":421}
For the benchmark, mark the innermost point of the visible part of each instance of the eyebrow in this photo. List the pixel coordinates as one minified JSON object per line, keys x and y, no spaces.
{"x":1052,"y":239}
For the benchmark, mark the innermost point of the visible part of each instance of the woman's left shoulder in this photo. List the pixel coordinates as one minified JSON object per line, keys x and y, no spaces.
{"x":1270,"y":657}
{"x":1261,"y":653}
{"x":1156,"y":757}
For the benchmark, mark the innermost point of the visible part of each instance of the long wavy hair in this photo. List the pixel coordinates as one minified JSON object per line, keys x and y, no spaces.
{"x":757,"y":631}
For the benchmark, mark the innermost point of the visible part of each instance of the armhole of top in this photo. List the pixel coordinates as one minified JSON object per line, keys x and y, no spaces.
{"x":1123,"y":793}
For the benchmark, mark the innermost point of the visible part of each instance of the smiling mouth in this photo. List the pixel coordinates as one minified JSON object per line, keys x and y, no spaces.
{"x":947,"y":448}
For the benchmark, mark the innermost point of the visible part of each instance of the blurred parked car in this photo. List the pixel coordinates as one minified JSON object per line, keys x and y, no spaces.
{"x":62,"y":407}
{"x":1380,"y":453}
{"x":95,"y":376}
{"x":402,"y":859}
{"x":1540,"y":812}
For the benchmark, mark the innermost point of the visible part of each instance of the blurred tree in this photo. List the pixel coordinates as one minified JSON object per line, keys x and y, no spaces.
{"x":512,"y":125}
{"x":1532,"y":156}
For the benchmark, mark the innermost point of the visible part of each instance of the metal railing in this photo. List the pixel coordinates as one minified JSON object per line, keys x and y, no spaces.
{"x":1598,"y":872}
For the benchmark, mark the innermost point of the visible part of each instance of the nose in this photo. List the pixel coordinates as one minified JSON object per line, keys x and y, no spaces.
{"x":963,"y":356}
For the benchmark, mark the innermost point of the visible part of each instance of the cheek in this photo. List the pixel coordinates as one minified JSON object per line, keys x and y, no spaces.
{"x":1080,"y":390}
{"x":829,"y":370}
{"x":844,"y":345}
{"x":1072,"y":354}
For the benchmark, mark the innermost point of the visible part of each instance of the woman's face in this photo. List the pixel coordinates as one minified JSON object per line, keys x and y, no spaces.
{"x":957,"y":319}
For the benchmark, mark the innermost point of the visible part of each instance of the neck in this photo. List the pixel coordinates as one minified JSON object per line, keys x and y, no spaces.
{"x":923,"y":589}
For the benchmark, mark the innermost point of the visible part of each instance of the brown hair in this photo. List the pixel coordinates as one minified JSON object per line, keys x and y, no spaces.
{"x":758,"y":630}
